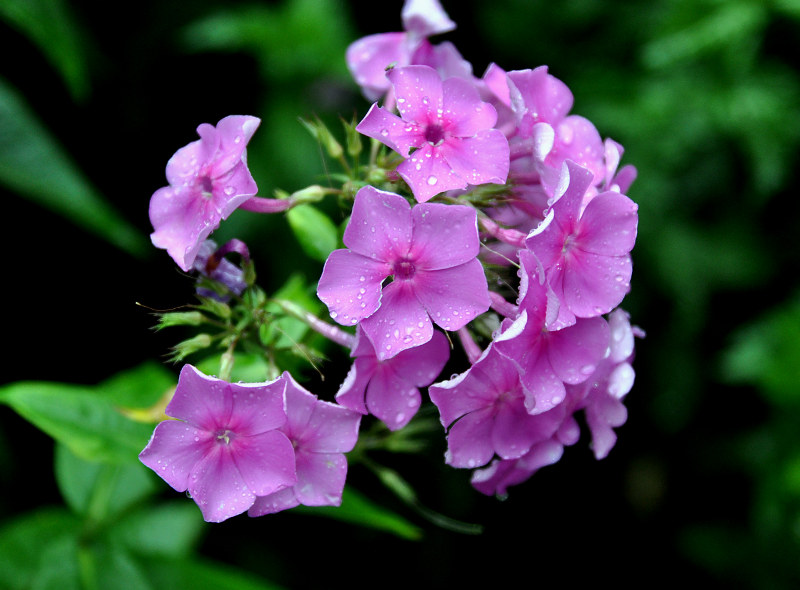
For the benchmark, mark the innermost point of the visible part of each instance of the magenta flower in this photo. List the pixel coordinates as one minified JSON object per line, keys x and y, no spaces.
{"x":449,"y":128}
{"x":389,"y":389}
{"x":431,"y":253}
{"x":586,"y":254}
{"x":224,"y":447}
{"x":320,"y":432}
{"x":208,"y":180}
{"x":484,"y":409}
{"x":494,"y":479}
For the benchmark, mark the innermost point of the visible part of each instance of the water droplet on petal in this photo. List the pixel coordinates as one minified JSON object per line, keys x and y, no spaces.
{"x":432,"y":180}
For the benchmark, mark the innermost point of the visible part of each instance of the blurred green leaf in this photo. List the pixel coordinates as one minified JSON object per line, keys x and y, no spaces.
{"x":202,"y":575}
{"x":171,"y":530}
{"x":78,"y":417}
{"x":314,"y":230}
{"x":357,"y":509}
{"x":767,"y":354}
{"x":33,"y":164}
{"x":730,"y":22}
{"x":140,"y":387}
{"x":52,"y":26}
{"x":319,"y":30}
{"x":22,"y":548}
{"x":100,"y":489}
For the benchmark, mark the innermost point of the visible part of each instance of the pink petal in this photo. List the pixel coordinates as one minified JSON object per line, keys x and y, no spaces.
{"x":428,"y":173}
{"x":281,"y":500}
{"x":350,"y":286}
{"x":421,"y":365}
{"x":453,"y":296}
{"x":575,"y":352}
{"x":481,"y":159}
{"x":400,"y":323}
{"x":174,"y":450}
{"x":218,"y":487}
{"x":265,"y":461}
{"x":202,"y":400}
{"x":595,"y":284}
{"x":391,"y":130}
{"x":418,"y":90}
{"x":469,"y":441}
{"x":444,"y":236}
{"x":352,"y":391}
{"x":320,"y":478}
{"x":425,"y":18}
{"x":380,"y":226}
{"x":608,"y":225}
{"x":463,"y":109}
{"x":369,"y":57}
{"x":316,"y":425}
{"x":391,"y":399}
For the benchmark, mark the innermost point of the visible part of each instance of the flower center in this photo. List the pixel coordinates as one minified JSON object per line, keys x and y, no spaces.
{"x":224,"y":435}
{"x":403,"y":270}
{"x":434,"y":134}
{"x":206,"y":187}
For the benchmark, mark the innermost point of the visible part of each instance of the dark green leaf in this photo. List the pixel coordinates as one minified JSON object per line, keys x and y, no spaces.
{"x":33,"y":164}
{"x":357,"y":509}
{"x":78,"y":417}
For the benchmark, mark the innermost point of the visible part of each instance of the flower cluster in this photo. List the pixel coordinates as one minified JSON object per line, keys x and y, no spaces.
{"x":468,"y":178}
{"x":260,"y":447}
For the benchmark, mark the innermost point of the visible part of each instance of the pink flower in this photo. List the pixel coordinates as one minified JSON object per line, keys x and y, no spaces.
{"x":208,"y":180}
{"x":224,"y":448}
{"x":449,"y":128}
{"x":430,"y":251}
{"x":320,"y":432}
{"x":369,"y":57}
{"x":484,"y":409}
{"x":586,"y":253}
{"x":545,"y":359}
{"x":389,"y":389}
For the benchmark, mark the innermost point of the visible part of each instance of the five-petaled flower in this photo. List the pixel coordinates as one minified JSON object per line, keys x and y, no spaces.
{"x":448,"y":127}
{"x":430,"y":250}
{"x":208,"y":180}
{"x":225,"y":447}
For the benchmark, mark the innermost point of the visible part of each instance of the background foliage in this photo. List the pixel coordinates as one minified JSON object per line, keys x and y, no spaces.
{"x":705,"y":479}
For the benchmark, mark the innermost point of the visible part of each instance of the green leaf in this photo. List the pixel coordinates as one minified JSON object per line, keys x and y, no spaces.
{"x":767,"y":354}
{"x":357,"y":509}
{"x":140,"y":387}
{"x":51,"y":25}
{"x":78,"y":417}
{"x":100,"y":489}
{"x":33,"y":164}
{"x":314,"y":230}
{"x":23,"y":543}
{"x":172,"y":529}
{"x":205,"y":575}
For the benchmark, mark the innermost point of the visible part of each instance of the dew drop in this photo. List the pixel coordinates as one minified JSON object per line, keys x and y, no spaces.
{"x":432,"y":180}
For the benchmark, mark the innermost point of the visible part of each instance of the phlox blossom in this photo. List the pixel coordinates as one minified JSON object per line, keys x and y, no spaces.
{"x":320,"y":432}
{"x":431,"y":252}
{"x":208,"y":179}
{"x":448,"y":127}
{"x":224,"y":446}
{"x":389,"y":389}
{"x":586,"y":251}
